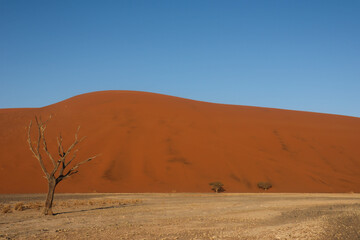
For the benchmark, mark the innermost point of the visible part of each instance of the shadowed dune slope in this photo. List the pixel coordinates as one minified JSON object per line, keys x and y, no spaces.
{"x":156,"y":143}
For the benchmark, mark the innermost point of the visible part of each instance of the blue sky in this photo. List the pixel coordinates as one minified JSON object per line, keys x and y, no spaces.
{"x":300,"y":55}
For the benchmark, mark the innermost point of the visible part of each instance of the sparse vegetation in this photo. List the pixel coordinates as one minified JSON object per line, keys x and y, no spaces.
{"x":264,"y":185}
{"x":20,"y":206}
{"x":34,"y":205}
{"x":217,"y":187}
{"x":6,"y":209}
{"x":96,"y":202}
{"x":61,"y":168}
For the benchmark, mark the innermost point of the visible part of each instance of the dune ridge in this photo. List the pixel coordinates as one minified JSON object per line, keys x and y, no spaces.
{"x":157,"y":143}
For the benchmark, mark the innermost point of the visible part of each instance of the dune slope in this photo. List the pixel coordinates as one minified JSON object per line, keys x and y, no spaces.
{"x":156,"y":143}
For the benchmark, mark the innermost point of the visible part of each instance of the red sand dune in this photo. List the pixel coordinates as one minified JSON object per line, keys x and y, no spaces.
{"x":156,"y":143}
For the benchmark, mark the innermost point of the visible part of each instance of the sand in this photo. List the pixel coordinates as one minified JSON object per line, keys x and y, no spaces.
{"x":157,"y":143}
{"x":189,"y":216}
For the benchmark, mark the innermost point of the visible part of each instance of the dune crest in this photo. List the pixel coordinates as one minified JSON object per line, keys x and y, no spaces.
{"x":156,"y":143}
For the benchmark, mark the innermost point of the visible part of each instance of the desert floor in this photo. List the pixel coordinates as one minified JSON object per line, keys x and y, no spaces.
{"x":185,"y":216}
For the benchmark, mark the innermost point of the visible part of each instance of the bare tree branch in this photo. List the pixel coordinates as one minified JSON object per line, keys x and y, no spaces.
{"x":42,"y":128}
{"x":39,"y":137}
{"x":73,"y":157}
{"x":74,"y":170}
{"x":37,"y":154}
{"x":76,"y":142}
{"x":45,"y":146}
{"x":56,"y":168}
{"x":60,"y":147}
{"x":29,"y":139}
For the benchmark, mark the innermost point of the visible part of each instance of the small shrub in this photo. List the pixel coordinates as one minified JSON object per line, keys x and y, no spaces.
{"x":264,"y":185}
{"x":217,"y":187}
{"x":6,"y":209}
{"x":34,"y":205}
{"x":20,"y":206}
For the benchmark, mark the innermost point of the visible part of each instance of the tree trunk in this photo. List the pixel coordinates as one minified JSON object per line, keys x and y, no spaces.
{"x":50,"y":196}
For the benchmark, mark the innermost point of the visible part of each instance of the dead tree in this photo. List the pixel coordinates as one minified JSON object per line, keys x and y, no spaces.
{"x":60,"y":167}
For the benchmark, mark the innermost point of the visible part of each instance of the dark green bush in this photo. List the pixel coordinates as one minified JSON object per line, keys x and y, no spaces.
{"x":217,"y":187}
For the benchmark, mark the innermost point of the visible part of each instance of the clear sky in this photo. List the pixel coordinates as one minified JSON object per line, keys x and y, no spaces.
{"x":298,"y":54}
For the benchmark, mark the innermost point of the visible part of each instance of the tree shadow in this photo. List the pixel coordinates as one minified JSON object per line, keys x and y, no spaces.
{"x":87,"y":210}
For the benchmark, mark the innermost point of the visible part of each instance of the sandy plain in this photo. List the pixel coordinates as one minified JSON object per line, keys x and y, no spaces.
{"x":186,"y":216}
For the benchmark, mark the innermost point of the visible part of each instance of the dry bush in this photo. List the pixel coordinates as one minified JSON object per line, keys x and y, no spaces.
{"x":6,"y":209}
{"x":96,"y":202}
{"x":264,"y":185}
{"x":134,"y":201}
{"x":19,"y":206}
{"x":34,"y":205}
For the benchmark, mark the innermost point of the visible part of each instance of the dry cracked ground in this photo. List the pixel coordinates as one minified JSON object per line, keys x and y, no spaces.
{"x":184,"y":216}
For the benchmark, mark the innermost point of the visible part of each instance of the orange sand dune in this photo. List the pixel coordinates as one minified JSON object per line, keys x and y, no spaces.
{"x":156,"y":143}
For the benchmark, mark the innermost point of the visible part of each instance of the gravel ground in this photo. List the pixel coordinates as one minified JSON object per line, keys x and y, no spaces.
{"x":186,"y":216}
